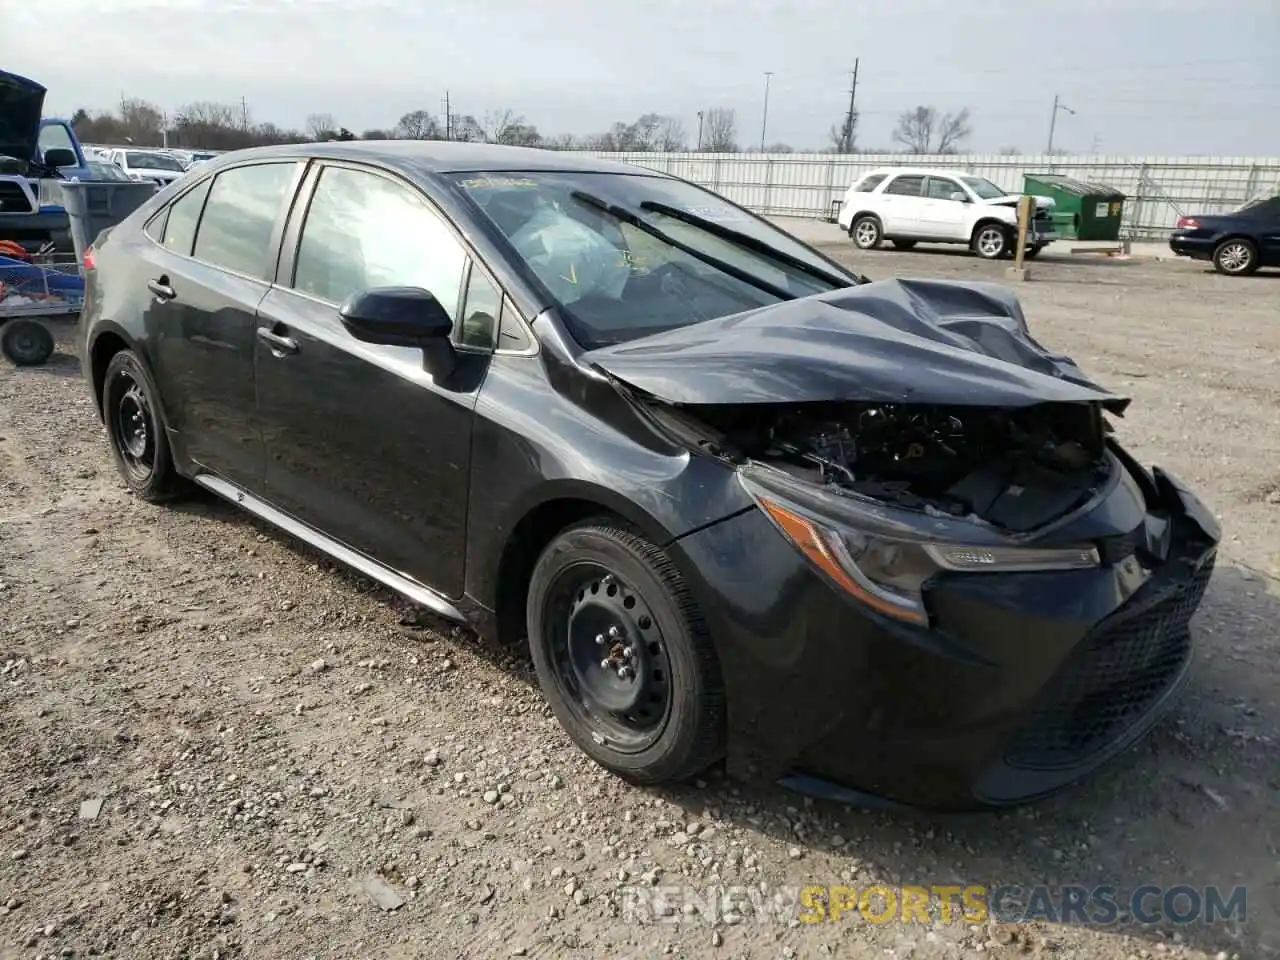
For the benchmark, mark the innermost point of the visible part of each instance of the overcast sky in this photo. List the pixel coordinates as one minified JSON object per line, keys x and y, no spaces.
{"x":1143,"y":77}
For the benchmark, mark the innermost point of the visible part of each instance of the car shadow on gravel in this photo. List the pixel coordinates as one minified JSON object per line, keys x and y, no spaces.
{"x":1191,"y":805}
{"x":59,"y":365}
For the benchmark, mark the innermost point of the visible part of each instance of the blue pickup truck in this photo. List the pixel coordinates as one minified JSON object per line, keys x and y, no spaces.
{"x":32,"y":149}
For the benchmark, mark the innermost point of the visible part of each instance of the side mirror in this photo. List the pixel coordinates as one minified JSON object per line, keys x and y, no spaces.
{"x":402,"y":317}
{"x":959,"y":197}
{"x":60,"y":157}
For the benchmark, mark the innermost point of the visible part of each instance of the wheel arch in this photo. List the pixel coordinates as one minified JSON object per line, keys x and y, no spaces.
{"x":990,"y":221}
{"x":105,"y":342}
{"x":534,"y":524}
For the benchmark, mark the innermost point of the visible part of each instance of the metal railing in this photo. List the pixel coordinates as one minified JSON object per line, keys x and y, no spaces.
{"x":1158,"y":189}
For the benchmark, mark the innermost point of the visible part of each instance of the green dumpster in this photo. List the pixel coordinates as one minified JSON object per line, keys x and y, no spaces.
{"x":1082,"y":211}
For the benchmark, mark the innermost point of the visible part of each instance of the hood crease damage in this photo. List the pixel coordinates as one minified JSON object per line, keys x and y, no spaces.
{"x":930,"y":396}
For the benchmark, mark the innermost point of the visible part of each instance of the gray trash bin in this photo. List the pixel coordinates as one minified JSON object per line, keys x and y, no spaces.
{"x":93,"y":206}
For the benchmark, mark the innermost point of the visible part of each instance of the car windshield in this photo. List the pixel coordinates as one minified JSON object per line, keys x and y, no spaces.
{"x":985,"y":189}
{"x":153,"y":161}
{"x":626,"y":256}
{"x":105,"y":171}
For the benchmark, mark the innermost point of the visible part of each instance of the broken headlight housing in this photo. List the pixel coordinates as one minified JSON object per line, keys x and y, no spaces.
{"x":883,"y":556}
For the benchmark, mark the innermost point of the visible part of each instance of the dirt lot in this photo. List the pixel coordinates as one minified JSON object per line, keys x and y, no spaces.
{"x":267,"y":735}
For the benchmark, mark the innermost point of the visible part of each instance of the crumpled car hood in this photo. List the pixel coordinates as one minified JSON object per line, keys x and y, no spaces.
{"x":21,"y":103}
{"x":890,"y":341}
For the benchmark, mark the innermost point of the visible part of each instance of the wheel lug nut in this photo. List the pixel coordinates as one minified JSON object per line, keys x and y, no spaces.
{"x":624,"y":673}
{"x":627,"y":652}
{"x":599,"y":639}
{"x":605,"y":665}
{"x":614,"y":632}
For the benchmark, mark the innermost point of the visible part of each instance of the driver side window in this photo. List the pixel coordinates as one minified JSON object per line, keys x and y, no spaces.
{"x":365,"y":230}
{"x":55,"y":137}
{"x":942,"y":189}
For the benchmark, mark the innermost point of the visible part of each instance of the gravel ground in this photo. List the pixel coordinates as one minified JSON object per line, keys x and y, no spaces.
{"x":213,"y":744}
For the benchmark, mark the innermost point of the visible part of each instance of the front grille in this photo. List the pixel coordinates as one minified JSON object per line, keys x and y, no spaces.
{"x":13,"y":199}
{"x":1122,"y":669}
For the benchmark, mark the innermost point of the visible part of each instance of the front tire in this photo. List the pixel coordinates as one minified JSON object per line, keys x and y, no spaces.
{"x":866,"y":232}
{"x":1236,"y":257}
{"x":990,"y":241}
{"x":623,"y":655}
{"x":131,"y":411}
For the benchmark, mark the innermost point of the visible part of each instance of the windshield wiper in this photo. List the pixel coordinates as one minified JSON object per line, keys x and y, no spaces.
{"x":624,"y":215}
{"x":743,"y":240}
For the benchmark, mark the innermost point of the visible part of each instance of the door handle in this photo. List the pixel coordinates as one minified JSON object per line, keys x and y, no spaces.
{"x":161,"y":289}
{"x":280,"y":346}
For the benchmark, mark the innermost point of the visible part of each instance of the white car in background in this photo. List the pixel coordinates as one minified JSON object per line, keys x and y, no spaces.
{"x":907,"y":205}
{"x":143,"y":165}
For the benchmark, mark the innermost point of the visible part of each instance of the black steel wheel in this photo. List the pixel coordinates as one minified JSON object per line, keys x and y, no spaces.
{"x":131,"y":411}
{"x":623,"y":656}
{"x":26,"y":343}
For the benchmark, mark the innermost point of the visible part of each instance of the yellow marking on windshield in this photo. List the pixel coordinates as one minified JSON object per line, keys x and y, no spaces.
{"x":572,"y":277}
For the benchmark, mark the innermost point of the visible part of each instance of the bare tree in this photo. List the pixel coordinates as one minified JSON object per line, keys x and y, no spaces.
{"x":418,"y":125}
{"x":467,"y":129}
{"x":844,"y":135}
{"x":562,"y":141}
{"x":952,"y":129}
{"x":320,"y":126}
{"x":924,"y":130}
{"x":377,"y":134}
{"x":779,"y":147}
{"x":510,"y":128}
{"x":141,"y":122}
{"x":719,"y":130}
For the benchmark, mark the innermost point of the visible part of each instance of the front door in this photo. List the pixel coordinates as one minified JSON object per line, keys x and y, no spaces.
{"x":207,"y":263}
{"x":363,"y":444}
{"x":942,"y":215}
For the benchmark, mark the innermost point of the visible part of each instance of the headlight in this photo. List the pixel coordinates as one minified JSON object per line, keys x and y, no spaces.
{"x":887,"y":569}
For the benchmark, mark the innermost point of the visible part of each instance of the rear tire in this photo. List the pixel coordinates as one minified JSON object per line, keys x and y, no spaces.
{"x":903,"y":244}
{"x":866,"y":232}
{"x":26,"y":343}
{"x":990,"y":241}
{"x":1236,"y":257}
{"x":139,"y":444}
{"x":623,"y":655}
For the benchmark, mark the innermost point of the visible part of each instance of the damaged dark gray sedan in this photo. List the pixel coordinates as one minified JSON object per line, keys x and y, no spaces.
{"x":868,"y":539}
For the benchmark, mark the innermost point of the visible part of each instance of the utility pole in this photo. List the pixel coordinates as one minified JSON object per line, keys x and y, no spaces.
{"x":244,"y":113}
{"x":699,"y":131}
{"x":1053,"y":121}
{"x":764,"y":119}
{"x":848,"y":122}
{"x":448,"y":118}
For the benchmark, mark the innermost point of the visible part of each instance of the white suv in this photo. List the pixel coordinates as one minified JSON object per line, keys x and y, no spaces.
{"x":146,"y":165}
{"x":905,"y":206}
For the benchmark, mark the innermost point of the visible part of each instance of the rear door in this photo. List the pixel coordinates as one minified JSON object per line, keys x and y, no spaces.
{"x":207,"y":270}
{"x":363,"y":444}
{"x":941,"y":216}
{"x":1268,"y":219}
{"x":899,"y":205}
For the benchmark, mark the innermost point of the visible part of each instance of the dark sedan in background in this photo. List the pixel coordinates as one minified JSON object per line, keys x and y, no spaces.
{"x":1237,"y":243}
{"x":866,"y":538}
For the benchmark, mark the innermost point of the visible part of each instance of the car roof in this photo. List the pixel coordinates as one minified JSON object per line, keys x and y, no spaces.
{"x":444,"y":156}
{"x":919,"y":172}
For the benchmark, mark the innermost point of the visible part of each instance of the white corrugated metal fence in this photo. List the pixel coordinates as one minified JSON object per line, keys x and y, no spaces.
{"x":1158,"y":189}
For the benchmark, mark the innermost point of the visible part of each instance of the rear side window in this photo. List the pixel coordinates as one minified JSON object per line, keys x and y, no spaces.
{"x":905,"y":186}
{"x":868,"y":183}
{"x":180,"y":224}
{"x":240,"y":217}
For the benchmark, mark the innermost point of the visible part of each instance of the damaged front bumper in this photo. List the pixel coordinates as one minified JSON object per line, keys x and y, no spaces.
{"x":1017,"y":684}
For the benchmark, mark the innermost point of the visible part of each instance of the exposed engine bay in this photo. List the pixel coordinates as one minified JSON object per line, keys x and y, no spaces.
{"x":1016,"y":469}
